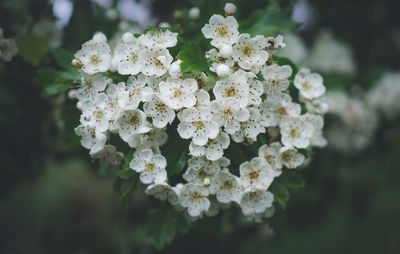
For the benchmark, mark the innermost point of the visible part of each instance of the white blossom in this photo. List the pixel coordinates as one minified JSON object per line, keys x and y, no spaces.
{"x":249,"y":129}
{"x":158,"y":39}
{"x":155,"y":61}
{"x":91,"y":138}
{"x":255,"y":201}
{"x":234,"y":86}
{"x":131,"y":122}
{"x":178,"y":93}
{"x":150,"y":166}
{"x":94,"y":56}
{"x":297,"y":132}
{"x":221,"y":30}
{"x":213,"y":150}
{"x":256,"y":174}
{"x":229,"y":114}
{"x":249,"y":52}
{"x":309,"y":84}
{"x":194,"y":197}
{"x":164,"y":191}
{"x":126,"y":57}
{"x":158,"y":111}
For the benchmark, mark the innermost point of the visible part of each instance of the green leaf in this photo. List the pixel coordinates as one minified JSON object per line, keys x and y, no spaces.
{"x":32,"y":49}
{"x":281,"y":193}
{"x":269,"y":21}
{"x":55,"y":89}
{"x":193,"y":59}
{"x":164,"y":225}
{"x":54,"y":81}
{"x":64,"y":58}
{"x":125,"y":173}
{"x":293,"y":180}
{"x":176,"y":152}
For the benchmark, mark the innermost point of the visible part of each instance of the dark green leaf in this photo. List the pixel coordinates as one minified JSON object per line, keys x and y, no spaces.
{"x":281,"y":193}
{"x":193,"y":59}
{"x":269,"y":21}
{"x":63,"y":58}
{"x":33,"y":49}
{"x":163,"y":226}
{"x":293,"y":180}
{"x":125,"y":173}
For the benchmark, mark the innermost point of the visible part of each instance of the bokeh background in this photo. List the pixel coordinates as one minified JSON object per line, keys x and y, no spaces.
{"x":54,"y":199}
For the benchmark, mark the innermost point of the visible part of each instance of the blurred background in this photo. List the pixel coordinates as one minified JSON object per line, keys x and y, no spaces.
{"x":55,"y":199}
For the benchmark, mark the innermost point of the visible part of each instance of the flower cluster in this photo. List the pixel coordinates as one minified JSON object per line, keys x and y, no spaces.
{"x":250,"y":97}
{"x":8,"y":48}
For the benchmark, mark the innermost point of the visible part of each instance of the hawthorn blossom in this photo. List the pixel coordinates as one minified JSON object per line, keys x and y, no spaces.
{"x":249,"y":52}
{"x":178,"y":93}
{"x":309,"y":84}
{"x":221,"y":30}
{"x":150,"y":166}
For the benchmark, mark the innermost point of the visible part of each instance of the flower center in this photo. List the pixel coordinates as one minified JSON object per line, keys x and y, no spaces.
{"x":200,"y":125}
{"x":228,"y":113}
{"x":306,"y":86}
{"x":227,"y":185}
{"x":99,"y":114}
{"x":95,"y":59}
{"x":223,"y":31}
{"x":134,"y":119}
{"x":133,"y":57}
{"x":196,"y":196}
{"x":294,"y":133}
{"x":269,"y":158}
{"x":281,"y":111}
{"x":88,"y":84}
{"x":150,"y":167}
{"x":247,"y":50}
{"x":178,"y":93}
{"x":161,"y":107}
{"x":230,"y":92}
{"x":157,"y":62}
{"x":253,"y":175}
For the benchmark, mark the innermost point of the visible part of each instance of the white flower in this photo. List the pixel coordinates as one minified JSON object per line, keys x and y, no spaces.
{"x":255,"y":201}
{"x":198,"y":125}
{"x":155,"y":61}
{"x":256,"y":174}
{"x":217,"y":59}
{"x":150,"y":166}
{"x":249,"y":129}
{"x":152,"y":139}
{"x":194,"y":197}
{"x":175,"y":69}
{"x":117,"y":97}
{"x":213,"y":150}
{"x":276,"y":78}
{"x":318,"y":122}
{"x":221,"y":30}
{"x":234,"y":86}
{"x":203,"y":81}
{"x":278,"y":109}
{"x":98,"y":114}
{"x":8,"y":49}
{"x":131,"y":122}
{"x":201,"y":175}
{"x":229,"y":114}
{"x":309,"y":84}
{"x":271,"y":154}
{"x":226,"y":187}
{"x":297,"y":132}
{"x":318,"y":105}
{"x":230,"y":8}
{"x":164,"y":191}
{"x":290,"y":157}
{"x":94,"y":56}
{"x":91,"y":85}
{"x":249,"y":52}
{"x":158,"y":111}
{"x":138,"y":90}
{"x":126,"y":57}
{"x":91,"y":138}
{"x":158,"y":39}
{"x":255,"y":89}
{"x":178,"y":93}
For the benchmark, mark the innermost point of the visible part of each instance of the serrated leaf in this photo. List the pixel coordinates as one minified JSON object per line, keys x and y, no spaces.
{"x":193,"y":59}
{"x":163,"y":226}
{"x":281,"y":193}
{"x":32,"y":49}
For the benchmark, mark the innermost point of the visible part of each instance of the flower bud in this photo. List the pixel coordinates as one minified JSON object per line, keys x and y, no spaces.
{"x":100,"y":37}
{"x":194,"y":13}
{"x":223,"y":70}
{"x":226,"y":51}
{"x":230,"y":8}
{"x":127,"y":37}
